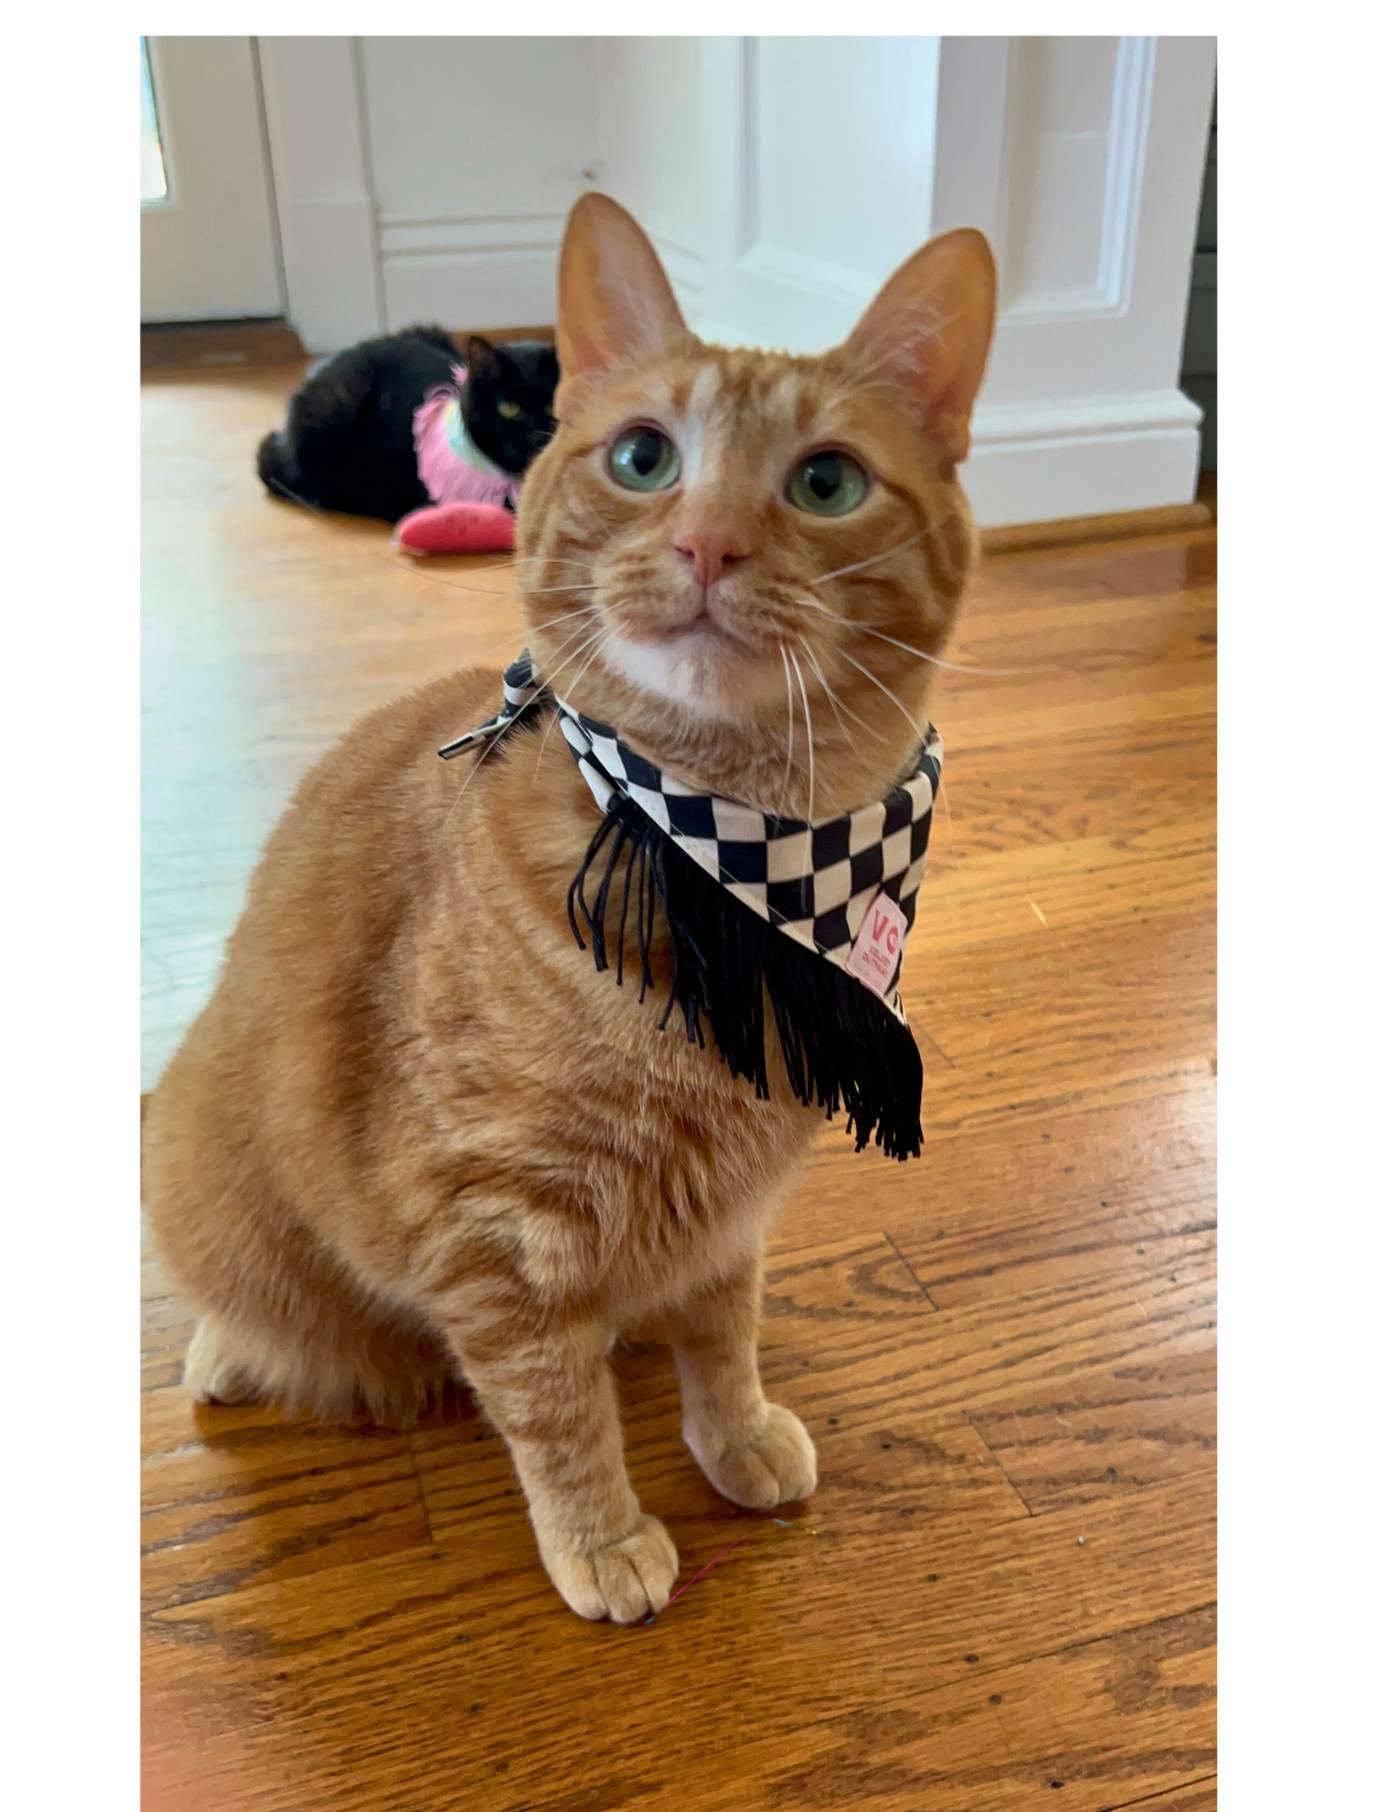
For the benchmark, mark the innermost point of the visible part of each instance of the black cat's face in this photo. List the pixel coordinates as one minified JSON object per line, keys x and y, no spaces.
{"x":508,"y":399}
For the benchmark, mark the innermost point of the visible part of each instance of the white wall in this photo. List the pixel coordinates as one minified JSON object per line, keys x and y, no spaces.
{"x":476,"y":149}
{"x":650,"y":128}
{"x":783,"y":179}
{"x":330,"y":250}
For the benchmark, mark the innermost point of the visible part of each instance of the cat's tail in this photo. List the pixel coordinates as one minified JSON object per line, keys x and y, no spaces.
{"x":277,"y":466}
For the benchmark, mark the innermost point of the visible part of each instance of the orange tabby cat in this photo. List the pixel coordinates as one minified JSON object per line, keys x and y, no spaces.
{"x":415,"y":1134}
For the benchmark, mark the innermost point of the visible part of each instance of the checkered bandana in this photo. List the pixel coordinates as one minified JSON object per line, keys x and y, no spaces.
{"x":813,"y":882}
{"x":748,"y":900}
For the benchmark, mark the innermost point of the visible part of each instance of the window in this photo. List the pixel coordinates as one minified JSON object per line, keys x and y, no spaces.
{"x":153,"y":183}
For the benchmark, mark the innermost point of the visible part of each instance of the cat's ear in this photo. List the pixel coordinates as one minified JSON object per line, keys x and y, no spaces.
{"x":614,"y":298}
{"x":929,"y":331}
{"x":483,"y":361}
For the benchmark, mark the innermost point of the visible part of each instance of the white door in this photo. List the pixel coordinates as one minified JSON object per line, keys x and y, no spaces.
{"x":1079,"y":157}
{"x":208,"y":238}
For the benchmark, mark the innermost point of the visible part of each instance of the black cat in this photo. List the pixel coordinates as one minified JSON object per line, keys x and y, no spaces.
{"x":349,"y":442}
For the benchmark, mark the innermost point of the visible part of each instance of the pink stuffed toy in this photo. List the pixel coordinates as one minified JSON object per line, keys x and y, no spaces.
{"x":469,"y":491}
{"x":457,"y":528}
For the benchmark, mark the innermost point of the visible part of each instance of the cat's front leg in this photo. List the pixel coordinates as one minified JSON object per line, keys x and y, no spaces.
{"x":756,"y":1452}
{"x":554,"y":1399}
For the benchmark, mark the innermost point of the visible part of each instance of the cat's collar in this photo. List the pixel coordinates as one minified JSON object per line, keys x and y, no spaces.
{"x":815,"y":882}
{"x":459,"y":439}
{"x":842,"y":888}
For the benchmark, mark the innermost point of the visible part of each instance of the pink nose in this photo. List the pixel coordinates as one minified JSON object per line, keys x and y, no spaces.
{"x":711,"y":551}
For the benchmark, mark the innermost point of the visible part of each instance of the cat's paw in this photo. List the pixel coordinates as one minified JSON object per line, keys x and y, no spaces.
{"x":623,"y":1580}
{"x":777,"y":1464}
{"x":212,"y":1374}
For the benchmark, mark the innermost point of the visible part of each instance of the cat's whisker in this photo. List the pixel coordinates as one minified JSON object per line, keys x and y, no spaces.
{"x":787,"y":677}
{"x":961,"y":667}
{"x":948,"y":811}
{"x":604,"y":639}
{"x":859,"y":566}
{"x":407,"y":568}
{"x":545,"y":680}
{"x":548,"y":560}
{"x":566,"y":615}
{"x":937,"y":660}
{"x":412,"y":569}
{"x":917,"y":728}
{"x":832,"y":616}
{"x":596,"y":643}
{"x":811,"y":754}
{"x":514,"y":635}
{"x":599,"y":646}
{"x":835,"y":706}
{"x":569,"y":652}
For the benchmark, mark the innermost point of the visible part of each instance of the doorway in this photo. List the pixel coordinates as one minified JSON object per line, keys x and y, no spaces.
{"x":1198,"y":350}
{"x":209,"y":247}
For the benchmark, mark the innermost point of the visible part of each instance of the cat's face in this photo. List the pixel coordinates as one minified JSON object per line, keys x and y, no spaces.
{"x":743,"y":560}
{"x":509,"y":400}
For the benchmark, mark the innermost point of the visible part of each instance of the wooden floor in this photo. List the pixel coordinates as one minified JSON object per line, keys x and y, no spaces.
{"x":1002,"y":1594}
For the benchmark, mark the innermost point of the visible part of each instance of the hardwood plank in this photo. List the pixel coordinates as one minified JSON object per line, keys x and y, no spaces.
{"x":1101,"y":1725}
{"x":978,"y":1204}
{"x":153,"y":1281}
{"x":1165,"y":564}
{"x":832,"y":1312}
{"x":1000,"y":652}
{"x":1066,"y":706}
{"x":166,"y":1325}
{"x":231,"y":1495}
{"x":1200,"y":1796}
{"x":1106,"y":1721}
{"x":1062,"y":1016}
{"x":1093,"y":882}
{"x":1115,"y":525}
{"x":1114,"y":782}
{"x":1116,"y":1430}
{"x":316,"y":1666}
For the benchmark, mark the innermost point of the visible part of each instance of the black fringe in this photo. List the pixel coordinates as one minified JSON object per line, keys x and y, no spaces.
{"x":842,"y":1046}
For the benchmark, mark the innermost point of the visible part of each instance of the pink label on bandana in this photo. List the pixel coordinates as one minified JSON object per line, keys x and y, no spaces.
{"x":877,"y":945}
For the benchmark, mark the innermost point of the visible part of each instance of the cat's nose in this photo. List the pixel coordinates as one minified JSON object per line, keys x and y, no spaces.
{"x":711,"y":551}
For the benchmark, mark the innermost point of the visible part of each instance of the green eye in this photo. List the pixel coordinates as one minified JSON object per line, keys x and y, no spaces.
{"x":508,"y":409}
{"x":827,"y":484}
{"x":644,"y":459}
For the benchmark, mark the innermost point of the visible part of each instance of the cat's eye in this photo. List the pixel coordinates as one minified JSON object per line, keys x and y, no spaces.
{"x":644,"y":459}
{"x":508,"y":409}
{"x":827,"y":484}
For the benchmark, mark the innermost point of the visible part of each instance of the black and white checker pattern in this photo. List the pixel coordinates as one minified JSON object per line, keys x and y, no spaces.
{"x":522,"y":687}
{"x":815,"y":882}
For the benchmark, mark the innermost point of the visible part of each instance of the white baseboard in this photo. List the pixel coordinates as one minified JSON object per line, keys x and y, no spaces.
{"x":1082,"y":456}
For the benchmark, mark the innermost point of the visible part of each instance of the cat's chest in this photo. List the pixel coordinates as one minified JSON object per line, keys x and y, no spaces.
{"x":631,"y":1151}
